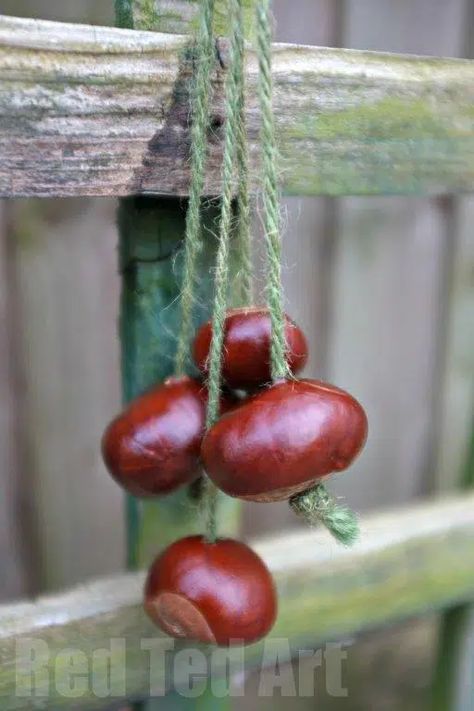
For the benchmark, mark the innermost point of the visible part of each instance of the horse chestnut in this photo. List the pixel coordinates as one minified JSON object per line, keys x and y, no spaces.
{"x":246,"y":350}
{"x":283,"y":440}
{"x":218,"y":593}
{"x":153,"y":447}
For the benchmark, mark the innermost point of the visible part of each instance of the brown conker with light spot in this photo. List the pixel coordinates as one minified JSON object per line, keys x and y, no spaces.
{"x":153,"y":447}
{"x":217,"y":593}
{"x":246,"y":348}
{"x":284,"y":440}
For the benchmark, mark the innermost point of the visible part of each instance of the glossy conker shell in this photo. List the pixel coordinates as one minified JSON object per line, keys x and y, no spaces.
{"x":246,"y":349}
{"x":218,"y":593}
{"x":153,"y":447}
{"x":284,"y":439}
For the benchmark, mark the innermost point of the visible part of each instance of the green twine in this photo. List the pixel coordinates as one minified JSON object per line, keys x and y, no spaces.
{"x":243,"y":194}
{"x":231,"y":139}
{"x":271,"y":209}
{"x":316,"y":504}
{"x":201,"y":91}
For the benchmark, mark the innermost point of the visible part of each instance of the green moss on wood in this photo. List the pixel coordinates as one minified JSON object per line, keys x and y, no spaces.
{"x":146,"y":15}
{"x":408,"y":562}
{"x":348,"y":122}
{"x":391,"y":117}
{"x":159,"y":16}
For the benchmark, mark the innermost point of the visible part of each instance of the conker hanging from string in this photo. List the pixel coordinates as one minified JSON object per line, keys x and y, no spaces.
{"x":206,"y":588}
{"x":153,"y":447}
{"x":246,"y":347}
{"x":284,"y":440}
{"x":218,"y":593}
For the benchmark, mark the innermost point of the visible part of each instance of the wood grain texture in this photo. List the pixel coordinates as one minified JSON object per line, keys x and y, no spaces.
{"x":67,"y":350}
{"x":406,"y":562}
{"x":453,"y":683}
{"x":457,"y":386}
{"x":386,"y":298}
{"x":14,"y":552}
{"x":100,"y":111}
{"x":392,"y":264}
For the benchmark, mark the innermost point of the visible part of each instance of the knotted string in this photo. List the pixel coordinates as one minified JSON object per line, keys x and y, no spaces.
{"x":201,"y":94}
{"x":233,"y":149}
{"x":316,"y":504}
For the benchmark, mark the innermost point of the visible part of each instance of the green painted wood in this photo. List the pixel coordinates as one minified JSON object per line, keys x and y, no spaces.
{"x":151,"y":241}
{"x":408,"y":562}
{"x":180,"y":16}
{"x":348,"y":122}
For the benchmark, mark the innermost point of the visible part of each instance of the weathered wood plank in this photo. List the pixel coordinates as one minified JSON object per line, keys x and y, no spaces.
{"x":104,"y":111}
{"x":16,"y":579}
{"x":457,"y":387}
{"x":384,"y":337}
{"x":392,"y":259}
{"x":407,"y":562}
{"x":67,"y":300}
{"x":87,"y":11}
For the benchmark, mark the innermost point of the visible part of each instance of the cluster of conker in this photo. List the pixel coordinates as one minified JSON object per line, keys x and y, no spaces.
{"x":280,"y":439}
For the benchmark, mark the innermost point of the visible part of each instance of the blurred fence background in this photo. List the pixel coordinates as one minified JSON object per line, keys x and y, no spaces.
{"x":384,"y":288}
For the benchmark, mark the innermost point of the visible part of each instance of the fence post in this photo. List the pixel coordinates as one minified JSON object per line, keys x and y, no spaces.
{"x":151,"y":234}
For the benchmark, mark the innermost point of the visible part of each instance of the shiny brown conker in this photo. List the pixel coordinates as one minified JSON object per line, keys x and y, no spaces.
{"x":246,"y":349}
{"x":218,"y":593}
{"x":284,"y":439}
{"x":153,"y":447}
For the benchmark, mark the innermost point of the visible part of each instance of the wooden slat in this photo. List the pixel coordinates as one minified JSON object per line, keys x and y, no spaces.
{"x":384,"y":337}
{"x":100,"y":111}
{"x":407,"y":562}
{"x":457,"y":387}
{"x":66,"y":343}
{"x":392,"y":259}
{"x":14,"y":485}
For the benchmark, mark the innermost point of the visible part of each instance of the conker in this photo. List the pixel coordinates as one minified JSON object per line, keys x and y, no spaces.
{"x":246,"y":349}
{"x":218,"y":593}
{"x":153,"y":447}
{"x":284,"y":439}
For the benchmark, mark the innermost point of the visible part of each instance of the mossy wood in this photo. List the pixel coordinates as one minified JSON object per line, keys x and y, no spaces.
{"x":180,"y":16}
{"x":103,"y":111}
{"x":407,"y":562}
